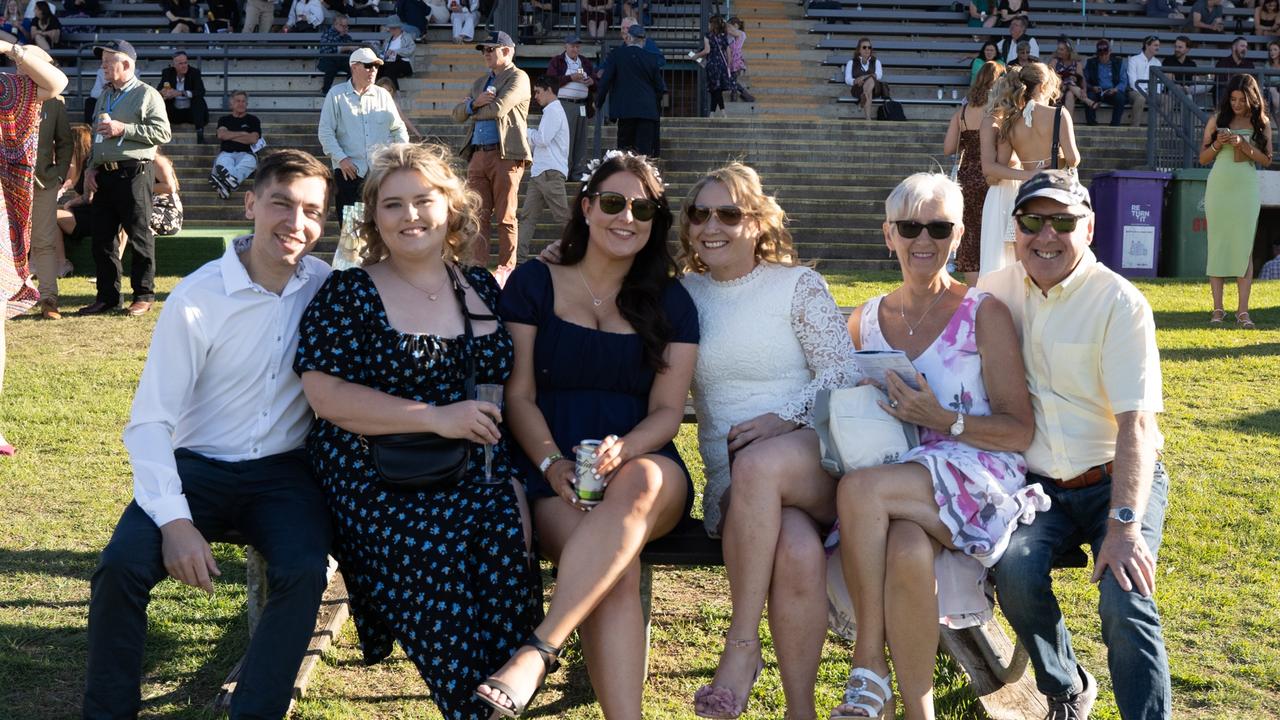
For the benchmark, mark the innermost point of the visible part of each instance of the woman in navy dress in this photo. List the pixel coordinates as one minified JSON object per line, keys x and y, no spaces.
{"x":445,"y":572}
{"x":605,"y":348}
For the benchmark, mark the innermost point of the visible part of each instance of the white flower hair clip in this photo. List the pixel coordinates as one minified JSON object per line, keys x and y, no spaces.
{"x":611,"y":154}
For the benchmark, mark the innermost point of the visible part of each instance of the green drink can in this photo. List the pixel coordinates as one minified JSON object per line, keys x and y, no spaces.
{"x":587,"y":482}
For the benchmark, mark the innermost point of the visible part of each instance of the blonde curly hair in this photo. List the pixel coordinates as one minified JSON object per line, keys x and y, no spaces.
{"x":774,"y":245}
{"x":1019,"y":86}
{"x":438,"y":165}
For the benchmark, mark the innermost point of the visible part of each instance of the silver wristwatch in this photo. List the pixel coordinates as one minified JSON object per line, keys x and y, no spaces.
{"x":548,"y":461}
{"x":957,"y":427}
{"x":1124,"y":514}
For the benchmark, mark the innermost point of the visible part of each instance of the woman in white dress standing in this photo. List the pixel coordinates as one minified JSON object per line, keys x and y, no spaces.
{"x":1017,"y":141}
{"x":771,"y":337}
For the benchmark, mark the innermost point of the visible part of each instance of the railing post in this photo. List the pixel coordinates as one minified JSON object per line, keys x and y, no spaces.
{"x":506,"y":17}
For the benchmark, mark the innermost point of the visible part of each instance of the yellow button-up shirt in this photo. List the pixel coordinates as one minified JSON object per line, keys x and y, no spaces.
{"x":1089,"y":347}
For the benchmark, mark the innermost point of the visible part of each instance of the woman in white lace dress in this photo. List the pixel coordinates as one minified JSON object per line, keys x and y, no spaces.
{"x":771,"y":337}
{"x":916,"y":536}
{"x":1017,"y":142}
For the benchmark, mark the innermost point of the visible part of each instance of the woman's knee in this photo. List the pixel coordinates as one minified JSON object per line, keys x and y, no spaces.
{"x":799,"y":558}
{"x":640,"y":482}
{"x":909,"y":554}
{"x":857,"y":488}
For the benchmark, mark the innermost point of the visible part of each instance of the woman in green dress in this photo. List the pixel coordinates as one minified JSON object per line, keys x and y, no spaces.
{"x":1236,"y":140}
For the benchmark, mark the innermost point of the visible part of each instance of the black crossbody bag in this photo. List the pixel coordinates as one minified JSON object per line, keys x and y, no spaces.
{"x":425,"y":460}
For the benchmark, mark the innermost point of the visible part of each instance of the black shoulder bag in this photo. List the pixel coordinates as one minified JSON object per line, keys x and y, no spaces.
{"x":424,"y":461}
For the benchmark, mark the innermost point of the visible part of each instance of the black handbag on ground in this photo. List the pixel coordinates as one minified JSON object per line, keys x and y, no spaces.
{"x":424,"y":461}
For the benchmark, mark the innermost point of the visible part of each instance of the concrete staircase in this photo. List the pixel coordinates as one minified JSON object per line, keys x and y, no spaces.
{"x":783,"y":67}
{"x":830,"y":176}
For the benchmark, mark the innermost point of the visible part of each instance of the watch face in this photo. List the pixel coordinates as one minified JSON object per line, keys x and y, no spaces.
{"x":1125,"y":515}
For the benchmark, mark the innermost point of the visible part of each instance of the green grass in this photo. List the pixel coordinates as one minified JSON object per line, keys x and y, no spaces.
{"x":67,"y":398}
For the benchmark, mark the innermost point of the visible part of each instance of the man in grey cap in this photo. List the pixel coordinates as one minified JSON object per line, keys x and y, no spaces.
{"x":130,"y":125}
{"x":356,"y":118}
{"x":1089,"y":349}
{"x":497,"y":147}
{"x":575,"y":79}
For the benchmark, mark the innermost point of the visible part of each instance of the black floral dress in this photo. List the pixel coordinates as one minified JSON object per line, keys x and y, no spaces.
{"x":442,"y":572}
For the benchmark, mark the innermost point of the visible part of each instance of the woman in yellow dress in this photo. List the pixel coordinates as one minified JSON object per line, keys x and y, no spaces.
{"x":1231,"y":200}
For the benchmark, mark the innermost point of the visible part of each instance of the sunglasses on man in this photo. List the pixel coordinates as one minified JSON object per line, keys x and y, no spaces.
{"x":1033,"y":223}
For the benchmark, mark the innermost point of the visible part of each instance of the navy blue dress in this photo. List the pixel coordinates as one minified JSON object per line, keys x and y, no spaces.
{"x":590,"y":383}
{"x":442,"y":572}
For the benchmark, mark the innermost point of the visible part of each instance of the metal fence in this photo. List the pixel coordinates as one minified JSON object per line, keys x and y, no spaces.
{"x":1184,"y":100}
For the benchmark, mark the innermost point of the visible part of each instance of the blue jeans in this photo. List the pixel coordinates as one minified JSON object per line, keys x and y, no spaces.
{"x":1116,"y":100}
{"x":1130,"y":622}
{"x":277,"y":506}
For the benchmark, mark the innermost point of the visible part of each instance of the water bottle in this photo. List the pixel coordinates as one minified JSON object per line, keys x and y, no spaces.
{"x":98,"y":136}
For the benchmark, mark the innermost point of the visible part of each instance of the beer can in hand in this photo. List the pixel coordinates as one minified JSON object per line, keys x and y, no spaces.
{"x":98,"y":136}
{"x":588,"y":484}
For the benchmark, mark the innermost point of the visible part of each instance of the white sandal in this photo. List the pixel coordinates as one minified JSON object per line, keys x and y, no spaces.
{"x":864,"y":683}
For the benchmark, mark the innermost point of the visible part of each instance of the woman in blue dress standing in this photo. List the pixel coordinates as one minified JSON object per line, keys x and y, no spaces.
{"x":443,"y":571}
{"x":605,"y":348}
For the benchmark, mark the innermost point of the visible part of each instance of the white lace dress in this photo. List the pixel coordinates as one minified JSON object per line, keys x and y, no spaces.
{"x":769,"y":341}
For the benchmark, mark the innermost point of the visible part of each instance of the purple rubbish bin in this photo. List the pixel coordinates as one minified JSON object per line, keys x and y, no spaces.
{"x":1128,"y":206}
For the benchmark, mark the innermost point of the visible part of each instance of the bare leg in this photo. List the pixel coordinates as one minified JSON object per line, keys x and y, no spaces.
{"x":911,"y":615}
{"x":798,"y":610}
{"x":66,"y":222}
{"x":867,"y":501}
{"x":767,"y":476}
{"x":595,"y":551}
{"x":613,"y":642}
{"x":1244,"y":284}
{"x":1069,"y":99}
{"x":866,"y":99}
{"x":1215,"y":289}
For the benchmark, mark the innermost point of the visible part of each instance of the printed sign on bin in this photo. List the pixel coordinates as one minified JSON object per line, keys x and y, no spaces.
{"x":1139,"y":241}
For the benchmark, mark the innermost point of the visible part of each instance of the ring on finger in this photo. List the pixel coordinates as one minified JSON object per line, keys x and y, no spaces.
{"x":893,"y":404}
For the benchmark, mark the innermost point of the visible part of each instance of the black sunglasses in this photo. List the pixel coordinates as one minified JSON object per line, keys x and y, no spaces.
{"x":864,"y":47}
{"x":1032,"y":223}
{"x":938,"y":229}
{"x":370,"y":66}
{"x":726,"y":214}
{"x":612,"y":203}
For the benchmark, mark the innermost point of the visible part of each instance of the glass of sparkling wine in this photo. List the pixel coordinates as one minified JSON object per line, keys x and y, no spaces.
{"x":489,"y":392}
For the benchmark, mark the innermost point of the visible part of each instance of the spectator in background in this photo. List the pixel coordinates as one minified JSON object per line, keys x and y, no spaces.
{"x":1139,"y":72}
{"x":863,"y":74}
{"x":1271,"y":268}
{"x":362,"y":8}
{"x":1017,"y":34}
{"x":1237,"y":60}
{"x":652,"y":48}
{"x":496,"y":111}
{"x":1181,"y":60}
{"x":1024,"y":55}
{"x":336,"y":45}
{"x":980,"y":15}
{"x":53,"y":162}
{"x":737,"y":59}
{"x":596,"y":16}
{"x":462,"y":13}
{"x":357,"y":117}
{"x":964,"y":137}
{"x":74,"y":219}
{"x":1272,"y":89}
{"x":258,"y":15}
{"x":575,"y":78}
{"x":543,"y":17}
{"x":223,"y":16}
{"x":166,"y":205}
{"x":989,"y":52}
{"x":439,"y":12}
{"x":633,"y":80}
{"x":396,"y":53}
{"x":11,"y":29}
{"x":715,"y":49}
{"x":550,"y":144}
{"x":1163,"y":9}
{"x":1008,"y":10}
{"x":182,"y":88}
{"x":414,"y":14}
{"x":81,"y":8}
{"x":1107,"y":82}
{"x":305,"y":16}
{"x":1266,"y":18}
{"x":46,"y":29}
{"x":181,"y":15}
{"x":131,"y":125}
{"x":1206,"y":16}
{"x":1071,"y":73}
{"x":238,"y":135}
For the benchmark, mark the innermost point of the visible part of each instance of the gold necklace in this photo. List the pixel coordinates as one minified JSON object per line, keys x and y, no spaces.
{"x":594,"y":300}
{"x":902,"y":310}
{"x":432,"y":295}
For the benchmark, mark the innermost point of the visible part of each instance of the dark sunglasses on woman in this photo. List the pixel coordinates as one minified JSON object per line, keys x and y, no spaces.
{"x":726,"y":214}
{"x":1032,"y":223}
{"x":938,"y":229}
{"x":612,"y":203}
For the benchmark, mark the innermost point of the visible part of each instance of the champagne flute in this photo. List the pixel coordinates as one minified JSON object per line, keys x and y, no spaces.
{"x":489,"y":392}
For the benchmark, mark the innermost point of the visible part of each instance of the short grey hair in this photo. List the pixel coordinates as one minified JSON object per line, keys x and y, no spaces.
{"x":905,"y":201}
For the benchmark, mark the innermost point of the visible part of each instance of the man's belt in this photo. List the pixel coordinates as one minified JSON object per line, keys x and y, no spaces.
{"x":121,"y":165}
{"x":1092,"y":476}
{"x":490,"y":146}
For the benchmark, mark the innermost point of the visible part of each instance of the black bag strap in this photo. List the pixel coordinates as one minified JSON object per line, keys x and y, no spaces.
{"x":460,"y":293}
{"x":1057,"y":125}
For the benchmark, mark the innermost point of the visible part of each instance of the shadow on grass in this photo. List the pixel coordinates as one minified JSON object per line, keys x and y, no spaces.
{"x":1220,"y":353}
{"x":1265,"y":318}
{"x":74,"y":564}
{"x":1264,"y":423}
{"x":69,"y":303}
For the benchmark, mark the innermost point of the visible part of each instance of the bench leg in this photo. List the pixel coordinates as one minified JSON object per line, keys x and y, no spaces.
{"x":996,"y":670}
{"x":646,"y":607}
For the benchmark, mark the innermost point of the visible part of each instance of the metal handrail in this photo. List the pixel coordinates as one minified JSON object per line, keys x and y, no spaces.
{"x":1180,"y":103}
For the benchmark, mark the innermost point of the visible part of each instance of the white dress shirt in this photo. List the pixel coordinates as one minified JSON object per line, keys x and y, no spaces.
{"x":353,"y":124}
{"x":219,"y":378}
{"x":550,"y":141}
{"x":849,"y":77}
{"x":1140,"y":71}
{"x":311,"y":11}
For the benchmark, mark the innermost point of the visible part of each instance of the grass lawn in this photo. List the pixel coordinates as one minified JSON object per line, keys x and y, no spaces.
{"x":67,"y":398}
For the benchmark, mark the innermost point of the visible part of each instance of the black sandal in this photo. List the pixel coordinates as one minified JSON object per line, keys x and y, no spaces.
{"x":551,"y":661}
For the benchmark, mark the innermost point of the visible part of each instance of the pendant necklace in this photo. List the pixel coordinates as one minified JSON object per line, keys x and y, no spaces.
{"x":432,"y":295}
{"x":594,"y":300}
{"x":902,"y":310}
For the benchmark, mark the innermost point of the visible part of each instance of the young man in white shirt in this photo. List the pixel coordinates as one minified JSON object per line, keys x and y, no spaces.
{"x":550,"y":143}
{"x":216,"y":444}
{"x":1139,"y":74}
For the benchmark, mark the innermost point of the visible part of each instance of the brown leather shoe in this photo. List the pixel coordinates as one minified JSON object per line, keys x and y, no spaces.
{"x":97,"y":308}
{"x":138,"y":307}
{"x":49,"y":308}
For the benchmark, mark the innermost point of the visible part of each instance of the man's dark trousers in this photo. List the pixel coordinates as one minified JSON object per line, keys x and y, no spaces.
{"x":123,"y":200}
{"x":638,"y":135}
{"x":277,"y":506}
{"x":346,"y":192}
{"x":197,"y":114}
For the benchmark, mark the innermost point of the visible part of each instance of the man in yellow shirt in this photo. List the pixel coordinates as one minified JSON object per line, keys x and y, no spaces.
{"x":1089,"y":349}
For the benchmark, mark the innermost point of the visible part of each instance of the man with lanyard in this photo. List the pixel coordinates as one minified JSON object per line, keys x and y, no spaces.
{"x":575,"y":77}
{"x":1093,"y":369}
{"x":357,"y":117}
{"x":131,"y":123}
{"x":497,"y":146}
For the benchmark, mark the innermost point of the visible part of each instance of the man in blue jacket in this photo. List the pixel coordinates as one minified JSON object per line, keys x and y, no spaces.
{"x":633,"y":77}
{"x":1107,"y":80}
